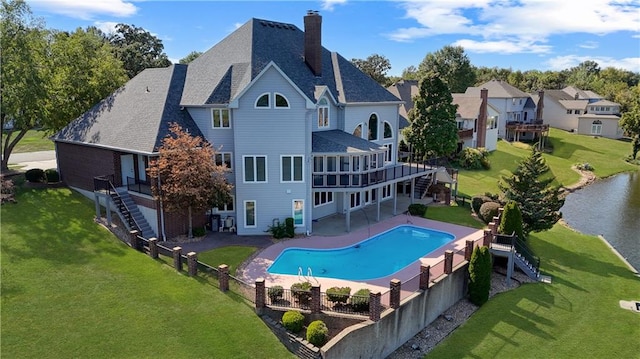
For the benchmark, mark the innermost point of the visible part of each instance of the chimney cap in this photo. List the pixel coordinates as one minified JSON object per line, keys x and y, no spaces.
{"x":313,"y":12}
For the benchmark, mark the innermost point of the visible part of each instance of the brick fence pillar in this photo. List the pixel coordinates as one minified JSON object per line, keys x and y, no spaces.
{"x":223,"y":277}
{"x":177,"y":258}
{"x":192,"y":263}
{"x":134,"y":241}
{"x":496,"y":220}
{"x":375,"y":308}
{"x":153,"y":248}
{"x":261,"y":299}
{"x":394,"y":297}
{"x":424,"y":276}
{"x":488,"y":237}
{"x":315,"y":299}
{"x":468,"y":249}
{"x":448,"y":261}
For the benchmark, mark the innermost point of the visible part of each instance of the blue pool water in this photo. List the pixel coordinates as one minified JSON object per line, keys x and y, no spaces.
{"x":375,"y":257}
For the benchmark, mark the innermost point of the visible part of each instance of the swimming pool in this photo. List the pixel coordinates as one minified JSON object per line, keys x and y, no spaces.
{"x":375,"y":257}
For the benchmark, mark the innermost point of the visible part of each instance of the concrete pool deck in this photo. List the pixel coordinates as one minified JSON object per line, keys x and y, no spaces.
{"x":257,"y":267}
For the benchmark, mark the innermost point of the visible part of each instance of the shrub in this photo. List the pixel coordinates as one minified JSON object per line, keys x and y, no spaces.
{"x":278,"y":231}
{"x":290,"y":229}
{"x":199,"y":231}
{"x":360,"y":300}
{"x":479,"y":275}
{"x":317,"y":333}
{"x":35,"y":175}
{"x":293,"y":321}
{"x":417,"y":209}
{"x":301,"y":291}
{"x":52,"y":175}
{"x":338,"y":294}
{"x":275,"y":293}
{"x":584,"y":166}
{"x":488,"y":210}
{"x":511,"y":220}
{"x":474,"y":159}
{"x":477,"y":201}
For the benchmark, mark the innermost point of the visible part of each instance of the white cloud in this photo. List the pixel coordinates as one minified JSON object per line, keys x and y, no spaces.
{"x":589,"y":45}
{"x":564,"y":62}
{"x":86,"y":9}
{"x":500,"y":24}
{"x":108,"y":27}
{"x":502,"y":46}
{"x":329,"y":5}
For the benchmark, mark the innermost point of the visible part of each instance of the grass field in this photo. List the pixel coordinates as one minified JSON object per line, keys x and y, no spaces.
{"x":70,"y":289}
{"x":32,"y":141}
{"x":232,"y":256}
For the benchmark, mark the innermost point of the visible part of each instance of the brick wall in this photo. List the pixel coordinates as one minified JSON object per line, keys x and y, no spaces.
{"x":78,"y":164}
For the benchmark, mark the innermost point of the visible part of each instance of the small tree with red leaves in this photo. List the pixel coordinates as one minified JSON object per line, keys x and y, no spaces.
{"x":189,"y":178}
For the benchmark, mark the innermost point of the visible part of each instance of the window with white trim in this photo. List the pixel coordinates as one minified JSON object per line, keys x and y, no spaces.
{"x":263,"y":101}
{"x":388,"y":130}
{"x":386,"y":191}
{"x":255,"y":168}
{"x":292,"y":168}
{"x":250,"y":214}
{"x":596,"y":127}
{"x":322,"y":198}
{"x":223,"y":159}
{"x":388,"y":155}
{"x":373,"y":127}
{"x":355,"y":200}
{"x":227,"y":207}
{"x":297,"y":212}
{"x":358,"y":131}
{"x":323,"y":113}
{"x":220,"y":118}
{"x":281,"y":101}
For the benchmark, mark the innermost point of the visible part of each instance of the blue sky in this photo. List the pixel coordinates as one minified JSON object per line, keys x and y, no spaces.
{"x":522,"y":35}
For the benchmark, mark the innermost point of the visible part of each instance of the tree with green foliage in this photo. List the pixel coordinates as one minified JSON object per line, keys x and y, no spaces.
{"x":630,"y":121}
{"x":511,"y":220}
{"x":376,"y":66}
{"x":190,"y":57}
{"x":433,"y":131}
{"x":453,"y":65}
{"x":480,"y":275}
{"x":539,"y":202}
{"x":138,"y":49}
{"x":24,"y":74}
{"x":184,"y":185}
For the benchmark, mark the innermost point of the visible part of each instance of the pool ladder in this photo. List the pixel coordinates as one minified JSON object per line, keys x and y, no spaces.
{"x":308,"y":277}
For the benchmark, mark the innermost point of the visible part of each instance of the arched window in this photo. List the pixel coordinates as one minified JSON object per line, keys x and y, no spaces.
{"x":281,"y":101}
{"x":323,"y":113}
{"x":358,"y":131}
{"x":373,"y":127}
{"x":596,"y":127}
{"x":388,"y":132}
{"x":263,"y":101}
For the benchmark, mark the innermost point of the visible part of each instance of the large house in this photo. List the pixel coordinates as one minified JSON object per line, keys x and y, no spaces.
{"x":583,"y":112}
{"x":304,"y":132}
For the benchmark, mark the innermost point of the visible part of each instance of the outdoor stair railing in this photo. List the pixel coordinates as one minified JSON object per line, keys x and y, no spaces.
{"x":104,"y":183}
{"x":523,"y":255}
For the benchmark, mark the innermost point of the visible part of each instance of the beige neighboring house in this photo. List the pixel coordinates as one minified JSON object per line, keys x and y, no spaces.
{"x":473,"y":111}
{"x":583,"y":112}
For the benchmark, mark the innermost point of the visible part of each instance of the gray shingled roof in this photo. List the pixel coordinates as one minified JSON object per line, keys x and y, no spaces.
{"x":574,"y":104}
{"x":468,"y":106}
{"x":405,"y":90}
{"x":137,"y":116}
{"x":497,"y":89}
{"x":337,"y":141}
{"x":222,"y":72}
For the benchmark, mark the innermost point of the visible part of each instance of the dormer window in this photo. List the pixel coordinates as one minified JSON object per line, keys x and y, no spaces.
{"x":281,"y":101}
{"x":323,"y":113}
{"x":263,"y":101}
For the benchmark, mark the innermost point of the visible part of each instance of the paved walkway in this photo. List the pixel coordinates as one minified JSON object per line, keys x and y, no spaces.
{"x":39,"y":159}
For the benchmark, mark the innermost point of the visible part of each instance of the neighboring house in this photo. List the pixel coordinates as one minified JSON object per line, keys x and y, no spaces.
{"x":583,"y":112}
{"x":304,"y":132}
{"x":471,"y":111}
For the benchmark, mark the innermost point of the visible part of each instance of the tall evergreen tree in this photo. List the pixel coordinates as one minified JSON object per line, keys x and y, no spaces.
{"x":511,"y":221}
{"x":433,"y":130}
{"x":539,"y":202}
{"x":480,"y":275}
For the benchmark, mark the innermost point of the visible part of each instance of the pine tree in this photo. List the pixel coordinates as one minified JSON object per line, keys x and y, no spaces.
{"x":511,"y":221}
{"x":480,"y":275}
{"x":539,"y":202}
{"x":433,"y":130}
{"x":189,"y":177}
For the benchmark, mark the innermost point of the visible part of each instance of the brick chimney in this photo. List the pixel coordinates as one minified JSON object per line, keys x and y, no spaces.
{"x":540,"y":106}
{"x":313,"y":41}
{"x":481,"y":135}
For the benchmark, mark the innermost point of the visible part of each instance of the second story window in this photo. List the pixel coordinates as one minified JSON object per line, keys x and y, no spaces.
{"x":255,"y":168}
{"x":373,"y":127}
{"x":220,"y":118}
{"x":223,"y":159}
{"x":358,"y":131}
{"x":292,"y":168}
{"x":323,"y":113}
{"x":263,"y":101}
{"x":388,"y":132}
{"x":281,"y":101}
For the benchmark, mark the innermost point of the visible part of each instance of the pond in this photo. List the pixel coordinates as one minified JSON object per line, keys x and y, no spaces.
{"x":611,"y":208}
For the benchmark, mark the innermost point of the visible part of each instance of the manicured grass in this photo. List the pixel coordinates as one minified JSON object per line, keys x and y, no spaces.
{"x":605,"y":155}
{"x":455,"y":215}
{"x":576,"y":316}
{"x":232,"y":256}
{"x":70,"y":289}
{"x":32,"y":141}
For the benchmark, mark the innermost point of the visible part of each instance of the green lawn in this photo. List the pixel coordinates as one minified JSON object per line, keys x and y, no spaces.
{"x":32,"y":141}
{"x":232,"y":256}
{"x":576,"y":316}
{"x":605,"y":155}
{"x":455,"y":215}
{"x":70,"y":289}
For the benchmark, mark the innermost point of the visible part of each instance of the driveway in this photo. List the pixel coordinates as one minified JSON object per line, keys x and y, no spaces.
{"x":39,"y":159}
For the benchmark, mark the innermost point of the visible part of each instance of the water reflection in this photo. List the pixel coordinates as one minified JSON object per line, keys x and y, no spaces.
{"x":610,"y":207}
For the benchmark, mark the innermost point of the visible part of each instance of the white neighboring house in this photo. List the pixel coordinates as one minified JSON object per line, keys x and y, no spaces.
{"x":583,"y":112}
